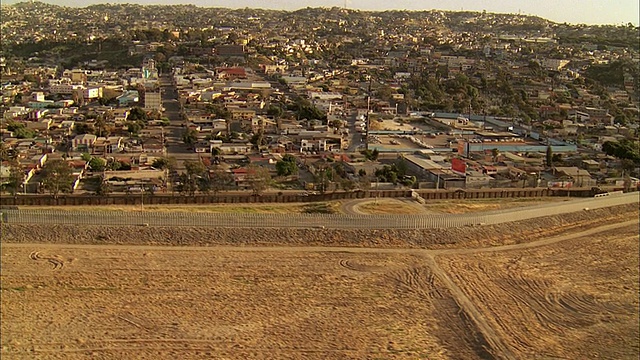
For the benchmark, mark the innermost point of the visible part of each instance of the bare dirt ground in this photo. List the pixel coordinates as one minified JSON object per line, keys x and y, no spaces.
{"x":409,"y":206}
{"x":477,"y":205}
{"x":125,"y":302}
{"x":575,"y":299}
{"x":571,"y":296}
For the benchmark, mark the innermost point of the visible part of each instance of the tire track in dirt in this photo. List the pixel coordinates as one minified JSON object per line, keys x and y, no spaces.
{"x":490,"y":341}
{"x":354,"y":266}
{"x":455,"y":330}
{"x":529,"y":296}
{"x":418,"y":280}
{"x":55,"y":260}
{"x":178,"y":344}
{"x":494,"y":343}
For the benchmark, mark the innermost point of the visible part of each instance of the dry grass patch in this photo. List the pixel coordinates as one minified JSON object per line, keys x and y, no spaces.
{"x":477,"y":205}
{"x":270,"y":208}
{"x":388,"y":207}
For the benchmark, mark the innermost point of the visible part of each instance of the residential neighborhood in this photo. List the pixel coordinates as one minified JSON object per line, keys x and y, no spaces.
{"x":319,"y":179}
{"x":184,"y":100}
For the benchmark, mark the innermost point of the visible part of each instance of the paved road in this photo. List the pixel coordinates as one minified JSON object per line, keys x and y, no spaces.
{"x":174,"y":144}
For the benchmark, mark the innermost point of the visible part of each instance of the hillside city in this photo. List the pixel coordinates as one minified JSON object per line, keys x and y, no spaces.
{"x":188,"y":100}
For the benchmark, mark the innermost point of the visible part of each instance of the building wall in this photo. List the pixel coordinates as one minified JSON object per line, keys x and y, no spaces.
{"x":153,"y":101}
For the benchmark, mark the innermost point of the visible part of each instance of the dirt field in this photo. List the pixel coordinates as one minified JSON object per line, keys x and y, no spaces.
{"x":576,"y":299}
{"x":572,"y":296}
{"x":119,"y":302}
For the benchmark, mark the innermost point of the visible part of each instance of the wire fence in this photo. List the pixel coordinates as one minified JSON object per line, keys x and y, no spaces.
{"x":328,"y":221}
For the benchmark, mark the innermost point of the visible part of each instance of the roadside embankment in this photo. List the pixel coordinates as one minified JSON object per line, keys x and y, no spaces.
{"x":468,"y":236}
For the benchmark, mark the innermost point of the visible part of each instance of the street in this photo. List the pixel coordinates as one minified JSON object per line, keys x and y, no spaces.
{"x":173,"y":136}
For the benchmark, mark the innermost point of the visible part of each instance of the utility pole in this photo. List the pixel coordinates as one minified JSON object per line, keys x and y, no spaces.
{"x":366,"y":133}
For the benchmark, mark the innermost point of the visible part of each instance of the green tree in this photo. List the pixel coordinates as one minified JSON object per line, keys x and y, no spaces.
{"x":258,"y":179}
{"x":190,"y":137}
{"x":275,"y":111}
{"x":220,"y":111}
{"x":194,"y":167}
{"x":305,"y":110}
{"x":196,"y":177}
{"x":216,"y":152}
{"x":384,"y":92}
{"x":137,"y":114}
{"x":97,"y":164}
{"x":549,"y":156}
{"x":287,"y":166}
{"x":370,"y":155}
{"x":13,"y":126}
{"x":164,"y":163}
{"x":84,"y":128}
{"x":103,"y":188}
{"x":402,"y":167}
{"x":258,"y":139}
{"x":114,"y":165}
{"x":100,"y":126}
{"x":5,"y":152}
{"x":336,"y":123}
{"x":623,"y":149}
{"x":16,"y":177}
{"x":388,"y":174}
{"x":133,"y":127}
{"x":24,"y":133}
{"x":220,"y":180}
{"x":57,"y":177}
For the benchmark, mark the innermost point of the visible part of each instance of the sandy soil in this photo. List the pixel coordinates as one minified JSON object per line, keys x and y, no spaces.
{"x":572,"y":296}
{"x":224,"y":304}
{"x":576,"y":299}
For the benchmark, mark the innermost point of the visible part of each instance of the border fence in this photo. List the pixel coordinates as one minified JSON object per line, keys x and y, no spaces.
{"x":284,"y":197}
{"x":317,"y":221}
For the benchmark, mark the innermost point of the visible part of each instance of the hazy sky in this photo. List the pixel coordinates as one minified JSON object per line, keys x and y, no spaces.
{"x":572,"y":11}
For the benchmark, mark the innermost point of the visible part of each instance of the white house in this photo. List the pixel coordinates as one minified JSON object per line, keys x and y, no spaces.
{"x":92,"y":92}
